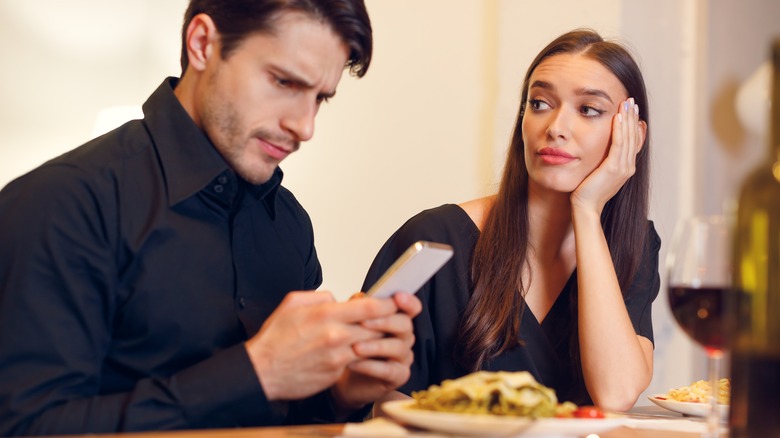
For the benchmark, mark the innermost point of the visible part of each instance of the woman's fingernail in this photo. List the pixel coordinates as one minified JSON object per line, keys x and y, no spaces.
{"x":620,"y":118}
{"x":625,"y":106}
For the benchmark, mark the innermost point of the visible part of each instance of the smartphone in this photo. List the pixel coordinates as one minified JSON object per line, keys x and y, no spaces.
{"x":412,"y":269}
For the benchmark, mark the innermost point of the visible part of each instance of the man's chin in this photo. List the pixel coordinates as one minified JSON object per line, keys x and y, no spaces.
{"x":256,"y":176}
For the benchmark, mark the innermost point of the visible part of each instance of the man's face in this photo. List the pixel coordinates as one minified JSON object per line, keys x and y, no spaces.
{"x":260,"y":102}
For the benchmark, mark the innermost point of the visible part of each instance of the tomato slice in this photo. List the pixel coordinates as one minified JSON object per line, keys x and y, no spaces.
{"x":588,"y":412}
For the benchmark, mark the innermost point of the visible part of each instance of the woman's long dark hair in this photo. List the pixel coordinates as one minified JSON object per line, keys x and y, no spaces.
{"x":490,"y":324}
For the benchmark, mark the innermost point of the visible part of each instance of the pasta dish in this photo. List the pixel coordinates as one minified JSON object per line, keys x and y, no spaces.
{"x":497,"y":393}
{"x":700,"y":391}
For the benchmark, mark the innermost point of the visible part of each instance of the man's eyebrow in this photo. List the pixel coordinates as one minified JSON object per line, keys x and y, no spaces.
{"x":301,"y":82}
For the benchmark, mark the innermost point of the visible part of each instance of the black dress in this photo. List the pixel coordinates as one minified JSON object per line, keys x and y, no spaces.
{"x":550,"y":349}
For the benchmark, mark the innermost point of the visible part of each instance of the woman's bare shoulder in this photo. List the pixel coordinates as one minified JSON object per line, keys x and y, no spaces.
{"x":477,"y":209}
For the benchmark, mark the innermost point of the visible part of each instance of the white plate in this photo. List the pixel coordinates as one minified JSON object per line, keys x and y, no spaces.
{"x":688,"y":408}
{"x":486,"y":425}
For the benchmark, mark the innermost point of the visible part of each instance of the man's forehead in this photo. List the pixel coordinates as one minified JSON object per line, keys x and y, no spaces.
{"x":303,"y":49}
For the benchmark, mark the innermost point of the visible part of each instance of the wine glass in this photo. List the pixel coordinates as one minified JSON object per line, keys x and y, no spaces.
{"x":700,"y":293}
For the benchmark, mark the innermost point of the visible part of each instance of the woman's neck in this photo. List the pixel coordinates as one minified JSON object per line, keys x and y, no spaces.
{"x":551,"y":235}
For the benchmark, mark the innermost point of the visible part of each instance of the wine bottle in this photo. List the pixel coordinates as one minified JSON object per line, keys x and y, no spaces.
{"x":755,"y":359}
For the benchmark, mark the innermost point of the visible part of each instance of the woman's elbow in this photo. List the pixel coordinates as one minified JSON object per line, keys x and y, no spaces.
{"x":618,"y":398}
{"x":616,"y":402}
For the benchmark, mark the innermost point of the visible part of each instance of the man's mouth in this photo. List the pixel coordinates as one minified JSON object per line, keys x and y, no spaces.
{"x":278,"y":150}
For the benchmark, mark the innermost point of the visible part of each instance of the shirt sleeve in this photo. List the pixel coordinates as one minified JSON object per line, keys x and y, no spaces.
{"x":645,"y":287}
{"x":58,"y":284}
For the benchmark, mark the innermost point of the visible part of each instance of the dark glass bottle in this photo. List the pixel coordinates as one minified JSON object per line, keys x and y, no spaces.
{"x":755,"y":375}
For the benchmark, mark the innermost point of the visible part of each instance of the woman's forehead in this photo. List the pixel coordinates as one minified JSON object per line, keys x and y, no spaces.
{"x":577,"y":71}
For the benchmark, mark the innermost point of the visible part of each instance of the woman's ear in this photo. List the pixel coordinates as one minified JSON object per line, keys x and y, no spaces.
{"x":201,"y":40}
{"x":642,"y":133}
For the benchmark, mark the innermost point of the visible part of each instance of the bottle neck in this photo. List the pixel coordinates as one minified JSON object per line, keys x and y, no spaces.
{"x":774,"y":110}
{"x":774,"y":102}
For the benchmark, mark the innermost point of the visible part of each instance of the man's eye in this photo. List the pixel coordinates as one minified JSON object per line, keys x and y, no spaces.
{"x":284,"y":83}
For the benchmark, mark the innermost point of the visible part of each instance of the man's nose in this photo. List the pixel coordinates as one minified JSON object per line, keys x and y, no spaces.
{"x":300,"y":121}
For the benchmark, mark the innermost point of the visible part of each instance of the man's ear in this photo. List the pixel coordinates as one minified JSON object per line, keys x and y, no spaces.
{"x":201,"y":40}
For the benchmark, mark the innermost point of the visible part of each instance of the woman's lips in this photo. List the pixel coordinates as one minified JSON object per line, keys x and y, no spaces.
{"x":555,"y":156}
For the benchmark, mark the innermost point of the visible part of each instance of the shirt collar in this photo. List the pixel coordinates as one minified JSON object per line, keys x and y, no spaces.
{"x":267,"y":191}
{"x":189,"y":159}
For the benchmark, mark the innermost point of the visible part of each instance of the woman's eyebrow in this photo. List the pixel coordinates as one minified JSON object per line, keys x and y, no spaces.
{"x":542,"y":84}
{"x":594,"y":92}
{"x":579,"y":92}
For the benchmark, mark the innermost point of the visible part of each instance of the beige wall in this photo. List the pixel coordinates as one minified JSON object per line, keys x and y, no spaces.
{"x":429,"y":123}
{"x":738,"y":42}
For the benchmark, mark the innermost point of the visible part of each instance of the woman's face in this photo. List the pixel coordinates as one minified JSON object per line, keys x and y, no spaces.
{"x":567,"y":124}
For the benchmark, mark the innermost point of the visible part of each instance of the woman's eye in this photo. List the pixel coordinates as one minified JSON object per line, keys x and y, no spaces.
{"x":589,"y":111}
{"x":538,"y":105}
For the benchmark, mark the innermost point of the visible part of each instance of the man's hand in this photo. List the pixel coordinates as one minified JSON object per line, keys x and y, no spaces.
{"x":384,"y":362}
{"x":307,"y":343}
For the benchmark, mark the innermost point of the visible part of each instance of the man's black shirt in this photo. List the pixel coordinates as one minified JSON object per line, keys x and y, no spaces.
{"x":131,"y":271}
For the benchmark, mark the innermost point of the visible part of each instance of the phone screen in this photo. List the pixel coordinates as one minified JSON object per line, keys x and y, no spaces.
{"x":412,"y":269}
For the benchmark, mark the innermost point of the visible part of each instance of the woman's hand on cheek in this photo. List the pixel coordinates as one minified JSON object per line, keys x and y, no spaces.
{"x":628,"y":133}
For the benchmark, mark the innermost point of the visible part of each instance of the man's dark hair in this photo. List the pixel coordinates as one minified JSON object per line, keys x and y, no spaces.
{"x":237,"y":19}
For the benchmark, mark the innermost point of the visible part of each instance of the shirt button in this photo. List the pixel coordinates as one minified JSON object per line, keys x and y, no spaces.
{"x":222,"y":179}
{"x":218,"y":188}
{"x":241,"y":302}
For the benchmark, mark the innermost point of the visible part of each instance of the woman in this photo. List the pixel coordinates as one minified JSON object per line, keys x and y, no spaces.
{"x":556,"y":273}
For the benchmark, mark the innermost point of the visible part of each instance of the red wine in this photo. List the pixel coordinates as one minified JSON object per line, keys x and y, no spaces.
{"x":755,"y":399}
{"x":705,"y":314}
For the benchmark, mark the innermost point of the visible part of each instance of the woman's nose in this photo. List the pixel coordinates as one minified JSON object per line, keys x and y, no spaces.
{"x":558,"y":128}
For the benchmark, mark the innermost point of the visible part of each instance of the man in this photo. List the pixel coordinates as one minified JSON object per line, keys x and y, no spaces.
{"x":145,"y":276}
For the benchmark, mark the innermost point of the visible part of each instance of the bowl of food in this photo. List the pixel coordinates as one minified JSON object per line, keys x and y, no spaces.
{"x":498,"y":403}
{"x":693,"y":399}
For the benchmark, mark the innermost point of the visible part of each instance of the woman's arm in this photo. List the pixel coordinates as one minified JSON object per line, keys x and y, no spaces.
{"x":617,"y":364}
